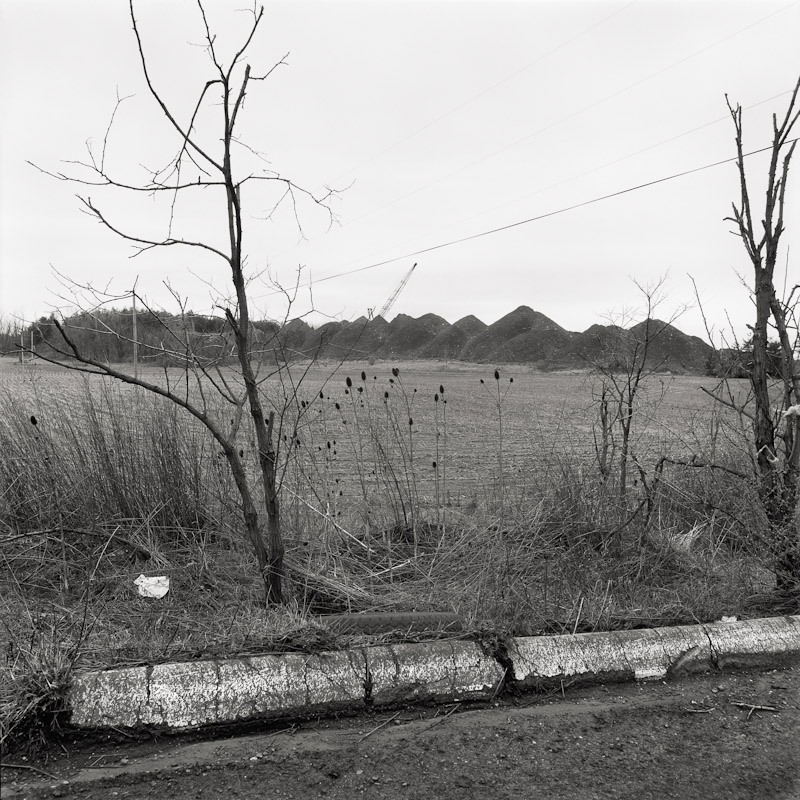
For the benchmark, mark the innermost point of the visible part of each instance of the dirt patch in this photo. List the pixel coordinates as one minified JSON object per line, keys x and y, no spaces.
{"x":736,"y":735}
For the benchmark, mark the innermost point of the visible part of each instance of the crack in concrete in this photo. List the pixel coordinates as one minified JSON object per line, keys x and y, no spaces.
{"x":658,"y":672}
{"x":148,"y":675}
{"x":248,"y":664}
{"x":368,"y":683}
{"x":395,"y":662}
{"x":307,"y":688}
{"x":217,"y":689}
{"x":499,"y":651}
{"x":714,"y":656}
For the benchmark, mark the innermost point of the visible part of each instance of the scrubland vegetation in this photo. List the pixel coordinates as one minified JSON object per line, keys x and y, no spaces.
{"x":547,"y":503}
{"x":421,"y":487}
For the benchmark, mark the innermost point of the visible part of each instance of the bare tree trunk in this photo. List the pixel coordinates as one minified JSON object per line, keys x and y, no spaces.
{"x":776,"y":459}
{"x":763,"y":427}
{"x":250,"y":514}
{"x":273,"y":574}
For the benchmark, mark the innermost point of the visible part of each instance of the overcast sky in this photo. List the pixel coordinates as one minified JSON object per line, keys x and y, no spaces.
{"x":439,"y":120}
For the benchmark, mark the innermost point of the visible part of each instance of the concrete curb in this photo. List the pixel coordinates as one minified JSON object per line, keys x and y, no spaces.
{"x":195,"y":694}
{"x":223,"y":691}
{"x":654,"y":653}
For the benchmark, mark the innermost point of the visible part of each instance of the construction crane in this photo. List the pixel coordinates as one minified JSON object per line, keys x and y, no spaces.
{"x":400,"y":286}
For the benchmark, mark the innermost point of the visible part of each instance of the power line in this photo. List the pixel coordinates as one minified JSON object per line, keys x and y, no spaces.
{"x":540,"y":216}
{"x":483,"y":92}
{"x":649,"y":147}
{"x":574,"y":114}
{"x":571,"y":178}
{"x":557,"y":183}
{"x":463,"y":105}
{"x":563,"y":119}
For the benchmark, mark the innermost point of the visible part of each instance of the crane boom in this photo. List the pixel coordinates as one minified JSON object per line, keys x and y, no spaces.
{"x":400,"y":286}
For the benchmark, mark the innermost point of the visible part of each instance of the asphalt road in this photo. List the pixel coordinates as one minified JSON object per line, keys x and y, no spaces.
{"x":724,"y":735}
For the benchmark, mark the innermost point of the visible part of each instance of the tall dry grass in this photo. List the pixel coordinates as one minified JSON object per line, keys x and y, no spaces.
{"x":108,"y":483}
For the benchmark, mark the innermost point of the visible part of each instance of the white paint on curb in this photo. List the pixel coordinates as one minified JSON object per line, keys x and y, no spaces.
{"x":436,"y":670}
{"x":199,"y":693}
{"x":188,"y":695}
{"x":653,"y":653}
{"x":620,"y":655}
{"x":754,"y":642}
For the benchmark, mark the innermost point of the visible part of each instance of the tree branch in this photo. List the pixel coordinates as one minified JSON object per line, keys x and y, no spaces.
{"x":185,"y":135}
{"x":150,"y":243}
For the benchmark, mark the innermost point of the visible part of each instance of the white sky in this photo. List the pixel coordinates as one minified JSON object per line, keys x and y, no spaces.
{"x":449,"y":118}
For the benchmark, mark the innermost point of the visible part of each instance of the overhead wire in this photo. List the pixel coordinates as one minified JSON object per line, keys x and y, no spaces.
{"x":570,"y":116}
{"x":485,"y":91}
{"x":583,"y":174}
{"x":557,"y":122}
{"x":467,"y":102}
{"x":538,"y":217}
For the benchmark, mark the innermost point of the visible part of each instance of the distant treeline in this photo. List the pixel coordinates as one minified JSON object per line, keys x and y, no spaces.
{"x":163,"y":338}
{"x":733,"y":362}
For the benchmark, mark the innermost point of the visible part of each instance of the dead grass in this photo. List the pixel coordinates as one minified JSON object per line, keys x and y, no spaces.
{"x":108,"y":484}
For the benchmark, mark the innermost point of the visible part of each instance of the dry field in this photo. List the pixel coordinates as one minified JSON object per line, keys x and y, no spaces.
{"x":100,"y":482}
{"x":541,"y":421}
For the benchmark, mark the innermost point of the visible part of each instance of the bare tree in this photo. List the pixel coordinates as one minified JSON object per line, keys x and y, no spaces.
{"x":9,"y":335}
{"x":625,"y":363}
{"x":775,"y":424}
{"x":204,"y":161}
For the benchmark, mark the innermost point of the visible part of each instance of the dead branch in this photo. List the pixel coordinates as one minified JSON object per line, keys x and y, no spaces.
{"x":695,"y":463}
{"x":149,"y":243}
{"x":184,"y":134}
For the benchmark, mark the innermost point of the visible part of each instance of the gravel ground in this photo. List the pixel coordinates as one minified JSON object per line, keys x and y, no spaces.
{"x":721,"y":735}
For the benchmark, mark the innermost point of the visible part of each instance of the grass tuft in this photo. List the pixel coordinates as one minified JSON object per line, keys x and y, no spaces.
{"x":488,"y":504}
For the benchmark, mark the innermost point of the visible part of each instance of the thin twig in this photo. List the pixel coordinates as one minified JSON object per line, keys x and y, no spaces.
{"x":6,"y":765}
{"x":500,"y":684}
{"x":291,"y":729}
{"x":439,"y":719}
{"x":752,"y":707}
{"x":578,"y":618}
{"x":378,"y":727}
{"x":138,"y":549}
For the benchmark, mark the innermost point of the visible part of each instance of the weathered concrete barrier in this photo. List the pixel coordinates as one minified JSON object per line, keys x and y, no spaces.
{"x":654,"y":653}
{"x":769,"y":642}
{"x":187,"y":695}
{"x":199,"y":693}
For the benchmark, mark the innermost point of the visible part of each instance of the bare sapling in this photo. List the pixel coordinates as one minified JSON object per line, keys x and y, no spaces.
{"x":624,"y":368}
{"x":210,"y":159}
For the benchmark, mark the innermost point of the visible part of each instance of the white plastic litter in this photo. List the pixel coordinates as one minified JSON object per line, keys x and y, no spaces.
{"x":156,"y":587}
{"x":728,"y":619}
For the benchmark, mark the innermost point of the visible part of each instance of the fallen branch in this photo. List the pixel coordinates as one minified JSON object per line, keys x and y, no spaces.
{"x":752,"y":707}
{"x":137,"y":549}
{"x":439,"y":719}
{"x":6,"y":765}
{"x":378,"y":727}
